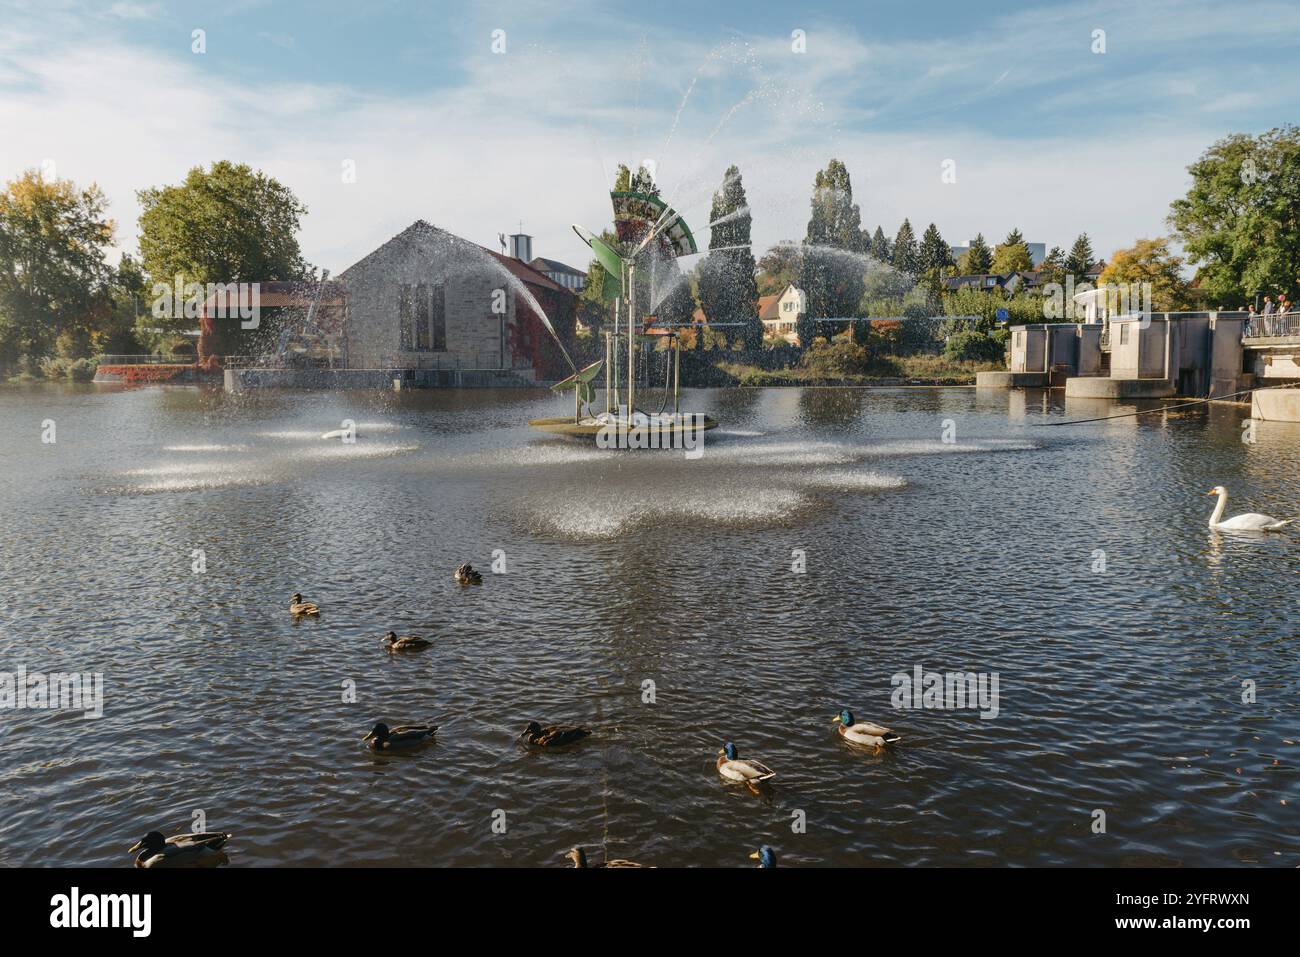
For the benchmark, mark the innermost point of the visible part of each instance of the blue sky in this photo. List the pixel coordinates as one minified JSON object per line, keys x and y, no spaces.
{"x":1045,"y":133}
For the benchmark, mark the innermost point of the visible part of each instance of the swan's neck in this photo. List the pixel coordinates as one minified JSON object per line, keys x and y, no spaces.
{"x":1218,"y":509}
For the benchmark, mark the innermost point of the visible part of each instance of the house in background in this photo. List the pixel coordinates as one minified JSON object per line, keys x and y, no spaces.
{"x":1011,"y":282}
{"x":560,"y":273}
{"x":780,"y":313}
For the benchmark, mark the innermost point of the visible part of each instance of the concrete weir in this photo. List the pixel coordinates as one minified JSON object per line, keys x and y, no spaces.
{"x":1099,"y":387}
{"x":1275,"y":405}
{"x":1010,"y":380}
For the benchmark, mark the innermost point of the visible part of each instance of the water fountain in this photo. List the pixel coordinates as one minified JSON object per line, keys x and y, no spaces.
{"x":660,"y":229}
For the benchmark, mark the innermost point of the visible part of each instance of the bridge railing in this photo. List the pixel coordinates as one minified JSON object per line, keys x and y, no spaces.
{"x":1270,"y":327}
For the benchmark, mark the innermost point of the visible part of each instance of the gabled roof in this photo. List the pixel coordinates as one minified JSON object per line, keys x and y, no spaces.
{"x":541,"y":264}
{"x":767,"y":306}
{"x":517,"y":267}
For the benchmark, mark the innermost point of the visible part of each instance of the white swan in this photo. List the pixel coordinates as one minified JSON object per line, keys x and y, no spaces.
{"x":1247,"y":522}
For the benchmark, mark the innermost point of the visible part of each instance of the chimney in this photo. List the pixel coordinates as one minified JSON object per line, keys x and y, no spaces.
{"x":521,"y":246}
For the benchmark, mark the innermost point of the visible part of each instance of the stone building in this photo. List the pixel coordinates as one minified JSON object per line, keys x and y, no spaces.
{"x":428,"y":299}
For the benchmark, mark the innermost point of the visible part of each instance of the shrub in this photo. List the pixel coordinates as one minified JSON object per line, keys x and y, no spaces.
{"x":835,"y":358}
{"x":973,"y":346}
{"x":78,"y":370}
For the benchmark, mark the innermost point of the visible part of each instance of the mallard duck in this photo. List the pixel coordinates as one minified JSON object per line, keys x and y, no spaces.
{"x":579,"y":858}
{"x":406,"y":642}
{"x":765,"y":856}
{"x":552,"y":735}
{"x":863,"y":732}
{"x":734,"y":768}
{"x":183,"y":850}
{"x":466,"y":575}
{"x":384,"y":738}
{"x":298,"y":608}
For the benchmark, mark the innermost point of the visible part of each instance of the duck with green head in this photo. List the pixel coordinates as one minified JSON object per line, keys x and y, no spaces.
{"x":552,"y":735}
{"x":765,"y":856}
{"x":579,"y":858}
{"x":732,"y":767}
{"x":466,"y":574}
{"x":863,"y":732}
{"x":383,"y":738}
{"x":183,"y":850}
{"x":405,"y":643}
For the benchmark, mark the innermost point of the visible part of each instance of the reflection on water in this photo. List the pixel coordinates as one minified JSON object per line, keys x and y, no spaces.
{"x":1121,"y":689}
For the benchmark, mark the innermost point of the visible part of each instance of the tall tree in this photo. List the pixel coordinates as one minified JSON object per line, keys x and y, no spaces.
{"x":906,"y":258}
{"x":1052,"y":268}
{"x":832,"y":272}
{"x":1012,"y":257}
{"x":53,"y":273}
{"x":880,"y":249}
{"x":978,"y":258}
{"x":1080,"y":259}
{"x":934,"y":258}
{"x":728,"y":289}
{"x":226,"y":224}
{"x":935,"y":254}
{"x":1240,"y":221}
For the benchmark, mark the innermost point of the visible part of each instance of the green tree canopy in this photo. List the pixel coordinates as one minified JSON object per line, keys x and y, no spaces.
{"x":229,"y":223}
{"x":977,"y":259}
{"x":1012,"y":257}
{"x":1240,"y":221}
{"x":1053,"y":266}
{"x":727,"y":287}
{"x":53,"y":273}
{"x":1080,"y":258}
{"x":779,"y":267}
{"x":1150,"y":261}
{"x":880,"y":249}
{"x":832,"y":275}
{"x":906,"y":255}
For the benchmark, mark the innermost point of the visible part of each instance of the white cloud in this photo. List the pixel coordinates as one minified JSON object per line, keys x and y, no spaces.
{"x":536,"y":135}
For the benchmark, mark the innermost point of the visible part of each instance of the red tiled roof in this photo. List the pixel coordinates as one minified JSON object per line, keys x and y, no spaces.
{"x":767,"y":307}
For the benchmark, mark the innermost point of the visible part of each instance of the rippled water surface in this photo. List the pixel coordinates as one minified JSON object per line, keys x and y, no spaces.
{"x":1120,"y":690}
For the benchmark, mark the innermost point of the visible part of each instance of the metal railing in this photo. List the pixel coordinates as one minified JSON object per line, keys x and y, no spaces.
{"x":436,"y":362}
{"x":1273,"y":326}
{"x":125,"y":360}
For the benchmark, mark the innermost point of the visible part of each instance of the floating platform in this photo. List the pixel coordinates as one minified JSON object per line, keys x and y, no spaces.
{"x":662,"y":427}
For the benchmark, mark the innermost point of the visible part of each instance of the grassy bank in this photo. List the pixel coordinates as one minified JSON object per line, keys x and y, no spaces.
{"x":884,"y":371}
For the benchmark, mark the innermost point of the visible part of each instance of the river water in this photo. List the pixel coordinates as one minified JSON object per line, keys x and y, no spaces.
{"x":1146,"y":666}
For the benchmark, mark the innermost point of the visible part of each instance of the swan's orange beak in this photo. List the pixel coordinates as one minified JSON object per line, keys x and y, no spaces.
{"x":1212,"y":492}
